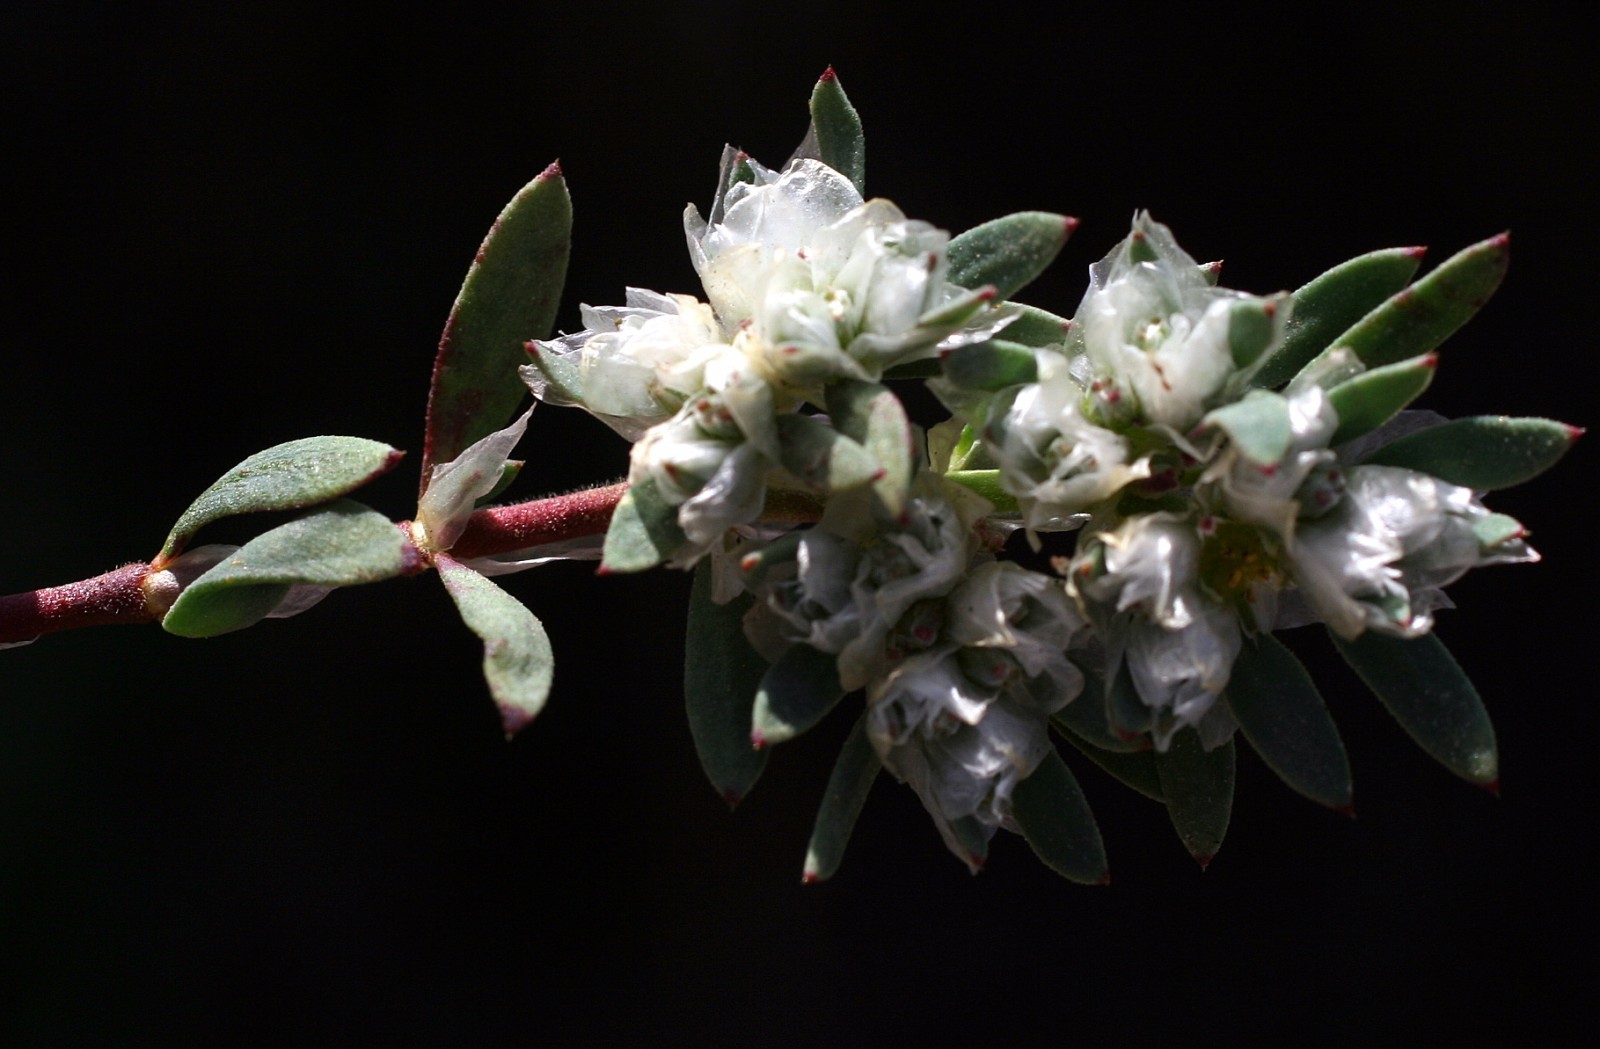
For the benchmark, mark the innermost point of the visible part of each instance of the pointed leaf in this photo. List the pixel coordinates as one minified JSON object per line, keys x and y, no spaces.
{"x":1417,"y":319}
{"x":1198,"y":785}
{"x":835,"y":135}
{"x":341,"y":544}
{"x":1483,"y":452}
{"x":1135,"y":769}
{"x":1280,"y":712}
{"x":1008,"y":252}
{"x":1035,"y":327}
{"x":721,"y":673}
{"x":1328,"y":306}
{"x":796,"y":692}
{"x":822,"y":457}
{"x":1367,"y":401}
{"x":1055,"y":818}
{"x":517,"y":661}
{"x":508,"y":476}
{"x":288,"y":476}
{"x":1128,"y":714}
{"x":991,"y":365}
{"x":644,"y":531}
{"x":1086,"y":718}
{"x":848,"y":785}
{"x":1425,"y":689}
{"x":509,"y":296}
{"x":872,"y":416}
{"x":1259,"y":426}
{"x":1253,"y":326}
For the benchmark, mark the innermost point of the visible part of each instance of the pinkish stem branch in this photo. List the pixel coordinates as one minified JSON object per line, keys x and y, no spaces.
{"x":115,"y":597}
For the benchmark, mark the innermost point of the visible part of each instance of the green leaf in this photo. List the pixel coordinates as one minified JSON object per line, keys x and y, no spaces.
{"x":1258,"y":424}
{"x":991,"y":365}
{"x":835,"y":135}
{"x":517,"y":661}
{"x":1035,"y":327}
{"x":643,"y":533}
{"x":1134,"y":768}
{"x":1425,"y":689}
{"x":970,"y":834}
{"x":822,"y":457}
{"x":508,"y":475}
{"x":509,"y":296}
{"x":987,"y":484}
{"x":1198,"y":785}
{"x":1417,"y":319}
{"x":1328,"y":306}
{"x":1126,"y":712}
{"x":721,"y":673}
{"x":1483,"y":452}
{"x":1087,"y":719}
{"x":341,"y":544}
{"x":795,"y":693}
{"x":563,"y":381}
{"x":1008,"y":252}
{"x":872,"y":416}
{"x":1367,"y":401}
{"x":288,"y":476}
{"x":1252,"y":327}
{"x":1280,"y":712}
{"x":848,"y":785}
{"x":1055,"y":818}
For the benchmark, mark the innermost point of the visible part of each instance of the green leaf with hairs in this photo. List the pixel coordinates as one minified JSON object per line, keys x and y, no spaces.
{"x":1135,"y":769}
{"x":1365,"y":402}
{"x":835,"y":136}
{"x":1055,"y":818}
{"x":849,"y":784}
{"x":872,"y":416}
{"x":288,"y":476}
{"x":509,"y":296}
{"x":1008,"y":252}
{"x":822,"y":457}
{"x":517,"y":661}
{"x":1482,"y":452}
{"x":643,"y":532}
{"x":1422,"y":685}
{"x":341,"y":544}
{"x":795,"y":693}
{"x":1282,"y":715}
{"x":721,"y":673}
{"x":1198,"y":785}
{"x":1332,"y":303}
{"x":1258,"y":424}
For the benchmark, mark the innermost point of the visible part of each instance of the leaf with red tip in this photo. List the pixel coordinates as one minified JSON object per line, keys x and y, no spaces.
{"x":1088,"y":719}
{"x":1328,"y":306}
{"x":872,"y":416}
{"x":1280,"y":712}
{"x":1417,"y":319}
{"x":289,"y":476}
{"x":721,"y":673}
{"x":1035,"y":327}
{"x":1425,"y":689}
{"x":835,"y":136}
{"x":1198,"y":785}
{"x":795,"y":693}
{"x":509,"y":296}
{"x":517,"y":661}
{"x":1484,"y":452}
{"x":1055,"y":818}
{"x":848,"y":785}
{"x":1008,"y":252}
{"x":1367,"y":401}
{"x":1135,"y":769}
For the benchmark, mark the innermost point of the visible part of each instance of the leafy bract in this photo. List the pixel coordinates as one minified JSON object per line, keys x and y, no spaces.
{"x":848,"y":785}
{"x":1280,"y":712}
{"x":1050,"y":809}
{"x":1007,"y":253}
{"x":721,"y":673}
{"x":517,"y":661}
{"x":289,"y":476}
{"x":1198,"y":786}
{"x":1483,"y":452}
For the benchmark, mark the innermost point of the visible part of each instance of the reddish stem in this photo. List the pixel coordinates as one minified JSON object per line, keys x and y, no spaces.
{"x":502,"y":529}
{"x":115,"y":597}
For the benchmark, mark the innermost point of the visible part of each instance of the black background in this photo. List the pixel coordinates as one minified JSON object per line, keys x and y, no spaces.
{"x":224,"y":228}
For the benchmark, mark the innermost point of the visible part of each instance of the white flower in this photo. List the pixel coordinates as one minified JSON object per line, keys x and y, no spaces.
{"x":1379,"y":558}
{"x":1152,"y":325}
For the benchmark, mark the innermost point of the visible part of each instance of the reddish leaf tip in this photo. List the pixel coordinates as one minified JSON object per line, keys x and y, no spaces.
{"x":827,"y":75}
{"x":513,"y":721}
{"x":758,"y":741}
{"x":1416,"y":251}
{"x":1493,"y":786}
{"x":1574,"y":432}
{"x":553,"y":171}
{"x":732,"y":798}
{"x":1501,"y":241}
{"x":1347,"y":810}
{"x":809,"y":878}
{"x":1430,"y":361}
{"x":1105,"y":878}
{"x":1204,"y":860}
{"x":988,"y":292}
{"x":602,"y":570}
{"x":1068,"y":223}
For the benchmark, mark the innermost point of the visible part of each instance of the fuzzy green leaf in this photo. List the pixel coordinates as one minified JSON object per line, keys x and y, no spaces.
{"x":795,"y":693}
{"x":822,"y":457}
{"x":1198,"y":785}
{"x":1258,"y":424}
{"x":1035,"y":327}
{"x":872,"y":416}
{"x":848,"y":785}
{"x":1417,"y":319}
{"x":835,"y":136}
{"x":1009,"y":252}
{"x":721,"y":673}
{"x":1280,"y":712}
{"x":991,"y":365}
{"x":643,"y":533}
{"x":1483,"y":452}
{"x":1055,"y":818}
{"x":509,"y":296}
{"x":1328,"y":306}
{"x":341,"y":544}
{"x":288,"y":476}
{"x":1252,"y":328}
{"x":517,"y":661}
{"x":1425,"y":689}
{"x":1135,"y":769}
{"x":1367,"y":401}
